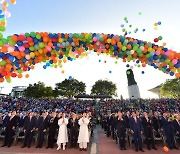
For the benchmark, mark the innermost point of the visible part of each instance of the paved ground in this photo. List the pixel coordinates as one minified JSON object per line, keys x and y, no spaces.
{"x":100,"y":145}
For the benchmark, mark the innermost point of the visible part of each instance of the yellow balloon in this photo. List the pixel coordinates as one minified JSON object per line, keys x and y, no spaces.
{"x":32,"y":54}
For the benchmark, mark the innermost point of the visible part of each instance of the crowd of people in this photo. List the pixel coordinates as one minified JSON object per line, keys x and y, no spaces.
{"x":71,"y":121}
{"x":124,"y":120}
{"x":62,"y":121}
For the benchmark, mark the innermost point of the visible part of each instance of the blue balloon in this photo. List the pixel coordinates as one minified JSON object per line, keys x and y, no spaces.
{"x":171,"y":73}
{"x":159,"y":23}
{"x":70,"y":77}
{"x":44,"y":66}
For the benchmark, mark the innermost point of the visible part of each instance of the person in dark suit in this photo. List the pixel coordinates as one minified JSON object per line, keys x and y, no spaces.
{"x":168,"y":130}
{"x":176,"y":125}
{"x":5,"y":119}
{"x":29,"y":128}
{"x":126,"y":119}
{"x":113,"y":122}
{"x":52,"y":125}
{"x":156,"y":122}
{"x":9,"y":131}
{"x":121,"y":129}
{"x":22,"y":119}
{"x":108,"y":131}
{"x":41,"y":127}
{"x":136,"y":130}
{"x":148,"y":131}
{"x":74,"y":130}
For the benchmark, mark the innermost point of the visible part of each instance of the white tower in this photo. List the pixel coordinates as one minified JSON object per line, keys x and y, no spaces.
{"x":133,"y":88}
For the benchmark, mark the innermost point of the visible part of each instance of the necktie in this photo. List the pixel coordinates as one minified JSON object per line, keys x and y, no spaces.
{"x":135,"y":120}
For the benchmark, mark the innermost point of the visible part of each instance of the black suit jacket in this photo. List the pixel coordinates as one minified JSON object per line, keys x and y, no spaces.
{"x":176,"y":126}
{"x":121,"y":126}
{"x":126,"y":119}
{"x":73,"y":126}
{"x":5,"y":121}
{"x":53,"y":124}
{"x":146,"y":124}
{"x":136,"y":127}
{"x":12,"y":123}
{"x":29,"y":125}
{"x":42,"y":124}
{"x":22,"y":121}
{"x":156,"y":123}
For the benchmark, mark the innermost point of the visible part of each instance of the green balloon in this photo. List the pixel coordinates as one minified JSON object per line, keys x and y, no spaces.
{"x":1,"y":43}
{"x":41,"y":45}
{"x":167,"y":61}
{"x":139,"y":51}
{"x":160,"y":37}
{"x":20,"y":71}
{"x":101,"y":39}
{"x":27,"y":34}
{"x":8,"y":80}
{"x":2,"y":28}
{"x":38,"y":36}
{"x":32,"y":48}
{"x":2,"y":63}
{"x":135,"y":48}
{"x":5,"y":41}
{"x":1,"y":35}
{"x":128,"y":72}
{"x":12,"y":43}
{"x":33,"y":34}
{"x":124,"y":48}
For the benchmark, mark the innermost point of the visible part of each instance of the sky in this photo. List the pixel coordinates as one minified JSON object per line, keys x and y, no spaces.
{"x":100,"y":16}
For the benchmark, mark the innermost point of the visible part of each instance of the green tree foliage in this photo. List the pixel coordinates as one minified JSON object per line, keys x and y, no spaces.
{"x":104,"y":87}
{"x":38,"y":90}
{"x":171,"y":88}
{"x":70,"y":88}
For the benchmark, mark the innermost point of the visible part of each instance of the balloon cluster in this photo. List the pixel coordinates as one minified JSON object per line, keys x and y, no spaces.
{"x":20,"y":53}
{"x":4,"y":13}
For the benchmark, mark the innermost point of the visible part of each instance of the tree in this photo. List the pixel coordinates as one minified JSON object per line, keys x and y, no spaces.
{"x":104,"y":87}
{"x":171,"y":88}
{"x":70,"y":88}
{"x":38,"y":90}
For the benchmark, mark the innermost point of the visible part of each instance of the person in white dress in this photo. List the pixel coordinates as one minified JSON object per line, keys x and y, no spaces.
{"x":63,"y":133}
{"x":83,"y":137}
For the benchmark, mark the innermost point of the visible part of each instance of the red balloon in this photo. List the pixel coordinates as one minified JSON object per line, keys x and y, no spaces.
{"x":21,"y":37}
{"x":26,"y":45}
{"x":156,"y":40}
{"x":13,"y":75}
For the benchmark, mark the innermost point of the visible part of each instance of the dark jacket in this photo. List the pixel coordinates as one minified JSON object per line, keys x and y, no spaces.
{"x":42,"y":123}
{"x":53,"y":123}
{"x":29,"y":125}
{"x":121,"y":126}
{"x":136,"y":127}
{"x":11,"y":123}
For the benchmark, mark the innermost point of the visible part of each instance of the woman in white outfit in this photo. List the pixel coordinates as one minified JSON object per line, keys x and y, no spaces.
{"x":83,"y":137}
{"x":63,"y":133}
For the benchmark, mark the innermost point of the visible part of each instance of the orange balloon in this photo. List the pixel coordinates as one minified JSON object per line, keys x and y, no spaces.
{"x":143,"y":65}
{"x":4,"y":9}
{"x":19,"y":76}
{"x":27,"y":75}
{"x":1,"y":79}
{"x":13,"y":1}
{"x":165,"y":148}
{"x":177,"y":75}
{"x":5,"y":4}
